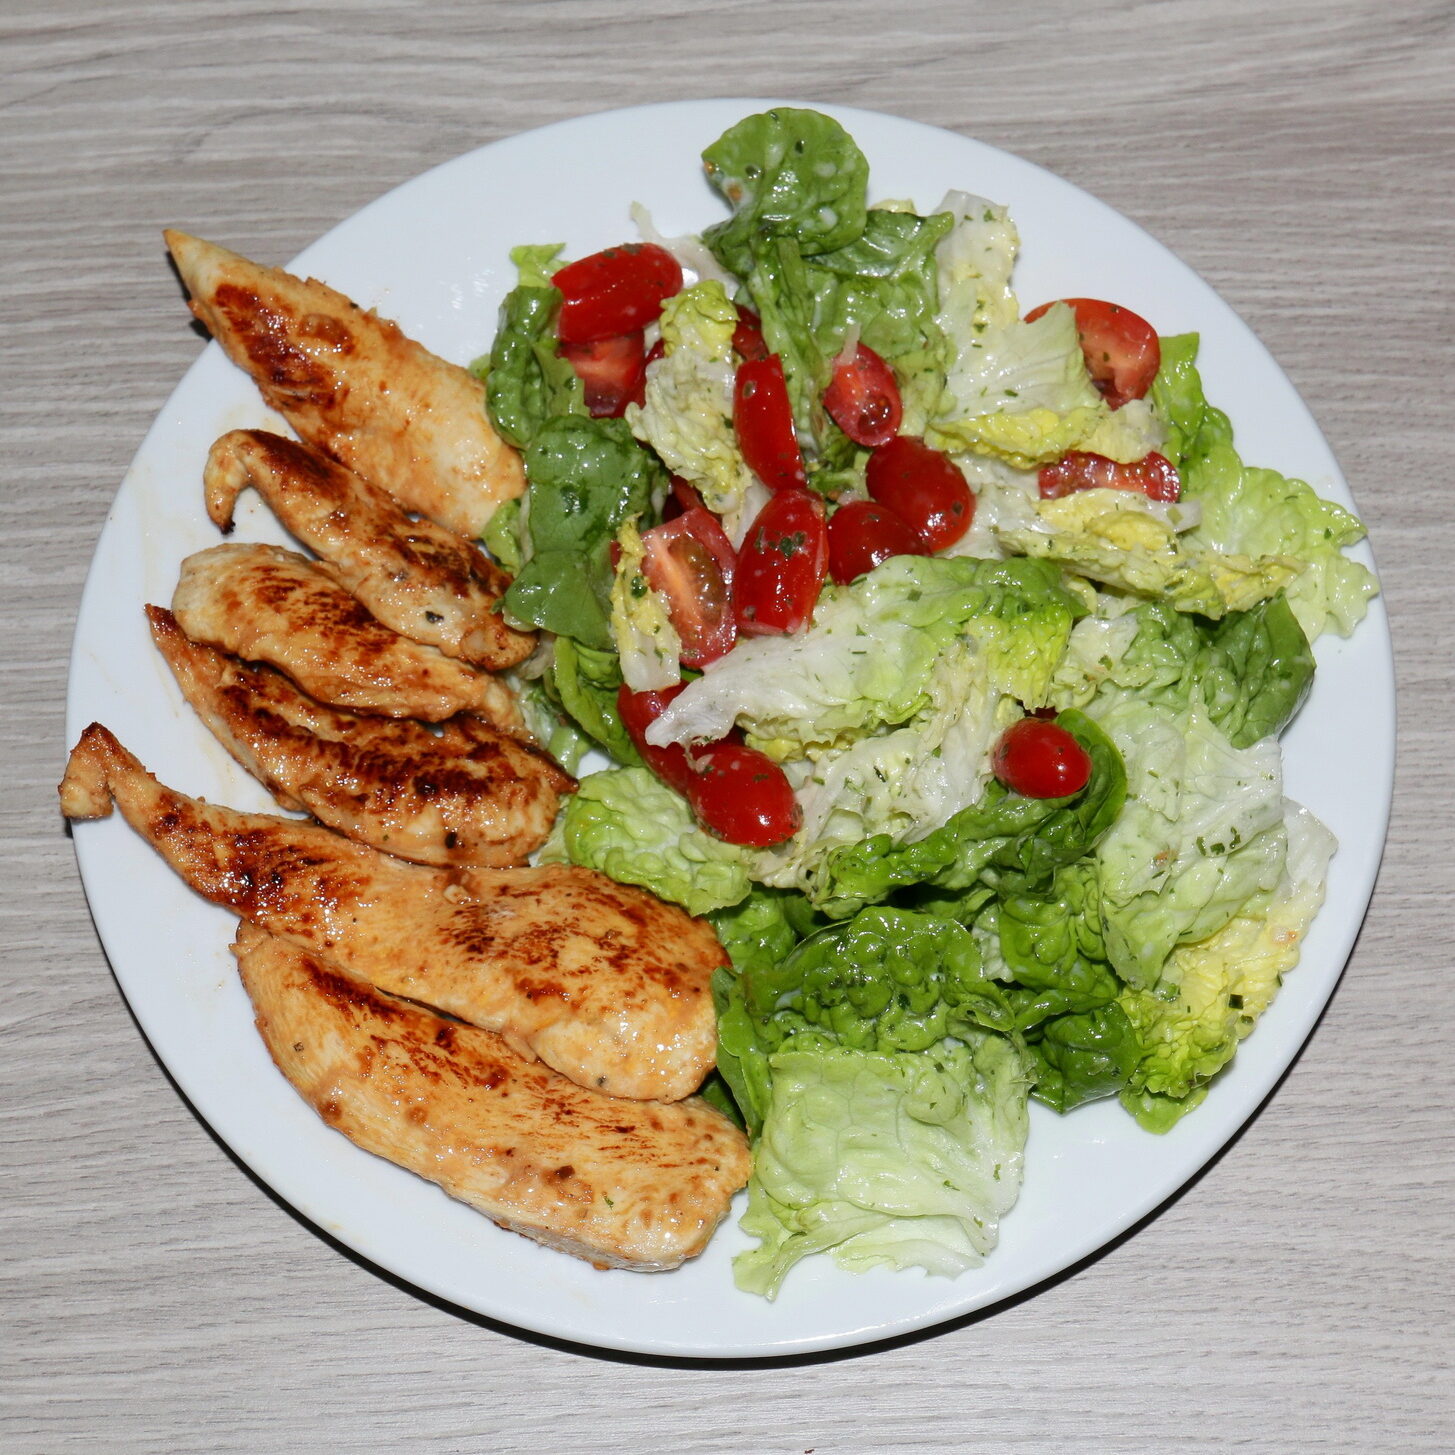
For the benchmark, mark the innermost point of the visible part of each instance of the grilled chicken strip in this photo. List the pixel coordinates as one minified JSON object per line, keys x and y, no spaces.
{"x":353,"y":385}
{"x":413,"y":575}
{"x":470,"y":795}
{"x":623,"y":1184}
{"x":601,"y":981}
{"x":266,"y":604}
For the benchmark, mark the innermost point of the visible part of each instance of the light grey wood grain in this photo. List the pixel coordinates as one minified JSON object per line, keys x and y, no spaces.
{"x":1302,"y":157}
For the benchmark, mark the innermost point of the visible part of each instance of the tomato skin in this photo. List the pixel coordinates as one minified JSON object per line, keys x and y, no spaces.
{"x":863,"y":399}
{"x":781,"y":565}
{"x":763,"y":421}
{"x":748,"y":341}
{"x":690,"y":560}
{"x":1122,"y":351}
{"x":1154,"y":475}
{"x":862,"y":534}
{"x":613,"y":372}
{"x":618,"y":290}
{"x":1038,"y":758}
{"x":924,"y":487}
{"x":734,"y":791}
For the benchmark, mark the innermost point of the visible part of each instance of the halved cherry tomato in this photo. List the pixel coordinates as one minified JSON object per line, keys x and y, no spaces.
{"x":1121,"y":347}
{"x":690,"y":560}
{"x":924,"y":488}
{"x":1154,"y":475}
{"x":863,"y":533}
{"x":615,"y":291}
{"x":742,"y":795}
{"x":781,"y":565}
{"x":637,"y":709}
{"x":682,"y":498}
{"x":735,"y":792}
{"x":863,"y":398}
{"x":748,"y":341}
{"x":763,"y":420}
{"x":613,"y":372}
{"x":1040,"y":759}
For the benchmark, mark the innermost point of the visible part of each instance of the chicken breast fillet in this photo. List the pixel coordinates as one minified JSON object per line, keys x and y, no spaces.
{"x":624,"y":1184}
{"x":426,"y":582}
{"x":605,"y":983}
{"x":267,"y":604}
{"x":352,"y":384}
{"x":470,"y":795}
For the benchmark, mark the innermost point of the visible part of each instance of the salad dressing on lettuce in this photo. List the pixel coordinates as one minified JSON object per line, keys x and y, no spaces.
{"x":929,"y":950}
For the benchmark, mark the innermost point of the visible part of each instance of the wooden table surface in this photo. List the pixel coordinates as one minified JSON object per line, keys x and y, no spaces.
{"x":1301,"y":156}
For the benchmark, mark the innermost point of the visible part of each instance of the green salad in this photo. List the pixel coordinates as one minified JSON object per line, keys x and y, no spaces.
{"x":941,"y":651}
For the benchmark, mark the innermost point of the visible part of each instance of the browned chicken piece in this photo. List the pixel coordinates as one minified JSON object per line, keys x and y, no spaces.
{"x":415,"y":576}
{"x":352,"y":384}
{"x":601,"y":981}
{"x":469,"y":795}
{"x":267,"y":604}
{"x":623,"y":1184}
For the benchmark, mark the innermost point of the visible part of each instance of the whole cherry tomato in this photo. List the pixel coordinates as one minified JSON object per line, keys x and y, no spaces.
{"x":781,"y":565}
{"x":615,"y":291}
{"x":690,"y":560}
{"x":734,"y":791}
{"x":1040,"y":759}
{"x":862,"y":534}
{"x":1153,"y":475}
{"x":863,"y":398}
{"x":763,"y":420}
{"x":1121,"y":347}
{"x":613,"y":372}
{"x":924,"y":487}
{"x":748,"y":341}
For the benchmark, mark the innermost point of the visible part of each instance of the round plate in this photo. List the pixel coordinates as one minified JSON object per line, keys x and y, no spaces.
{"x":433,"y":254}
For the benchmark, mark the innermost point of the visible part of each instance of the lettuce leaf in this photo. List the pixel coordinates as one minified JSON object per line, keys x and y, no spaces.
{"x":885,"y":1159}
{"x":1212,"y":992}
{"x":1256,"y":512}
{"x":790,"y":173}
{"x":629,"y":825}
{"x":586,"y":476}
{"x":866,"y":661}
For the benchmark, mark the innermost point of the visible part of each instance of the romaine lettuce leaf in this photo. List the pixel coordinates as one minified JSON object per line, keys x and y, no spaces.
{"x":786,"y":173}
{"x":866,"y":660}
{"x":629,"y":825}
{"x":1032,"y":837}
{"x":1201,"y":832}
{"x":585,"y":476}
{"x":897,"y":1159}
{"x":1212,"y":992}
{"x":1256,"y":512}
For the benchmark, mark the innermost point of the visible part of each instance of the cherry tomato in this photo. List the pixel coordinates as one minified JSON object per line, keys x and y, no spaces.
{"x":1040,"y":759}
{"x":781,"y":565}
{"x":863,"y":399}
{"x":742,"y":795}
{"x":735,"y":792}
{"x":748,"y":341}
{"x":613,"y":372}
{"x":616,"y":291}
{"x":637,"y":709}
{"x":690,"y":560}
{"x":862,"y":534}
{"x":763,"y":419}
{"x":924,"y":487}
{"x":1154,"y":475}
{"x":1121,"y":348}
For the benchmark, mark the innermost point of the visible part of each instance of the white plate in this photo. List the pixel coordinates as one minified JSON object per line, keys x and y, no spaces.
{"x":433,"y":255}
